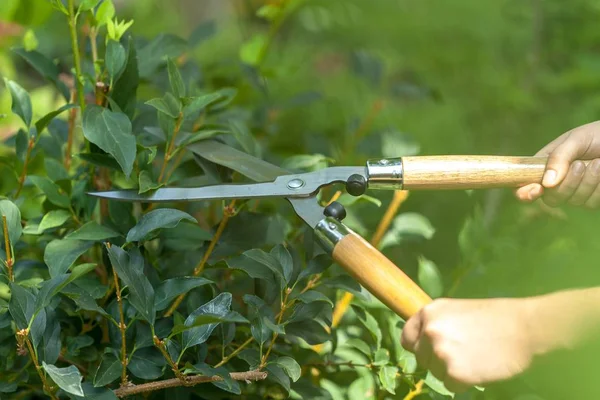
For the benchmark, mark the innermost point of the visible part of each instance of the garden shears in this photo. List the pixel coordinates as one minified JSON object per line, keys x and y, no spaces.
{"x":380,"y":276}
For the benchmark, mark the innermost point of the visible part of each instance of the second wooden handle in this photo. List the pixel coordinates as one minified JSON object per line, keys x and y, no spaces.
{"x":380,"y":276}
{"x":470,"y":172}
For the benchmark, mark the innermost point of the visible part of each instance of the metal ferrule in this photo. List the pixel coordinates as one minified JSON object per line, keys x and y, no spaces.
{"x":386,"y":173}
{"x":329,"y":231}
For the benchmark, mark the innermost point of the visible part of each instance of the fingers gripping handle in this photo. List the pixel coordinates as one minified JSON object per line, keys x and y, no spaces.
{"x":372,"y":269}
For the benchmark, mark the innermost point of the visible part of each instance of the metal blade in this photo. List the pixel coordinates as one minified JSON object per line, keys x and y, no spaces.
{"x":291,"y":186}
{"x":308,"y":209}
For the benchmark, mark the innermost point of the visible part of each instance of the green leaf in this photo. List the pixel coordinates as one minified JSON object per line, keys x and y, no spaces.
{"x":53,"y":219}
{"x":13,"y":220}
{"x":92,"y":231}
{"x":105,"y":12}
{"x":405,"y":226}
{"x":290,"y":366}
{"x":382,"y":357}
{"x":260,"y":313}
{"x":60,"y":254}
{"x":430,"y":278}
{"x":53,"y":192}
{"x":387,"y":377}
{"x":147,"y":363}
{"x":21,"y":102}
{"x":259,"y":264}
{"x":167,"y":104}
{"x":344,"y":282}
{"x":21,"y":305}
{"x":359,"y":345}
{"x":315,"y":266}
{"x":311,"y":311}
{"x":49,"y":348}
{"x":130,"y":269}
{"x":161,"y":218}
{"x":312,"y":295}
{"x":171,"y":288}
{"x":311,"y":331}
{"x":146,"y":183}
{"x":68,"y":379}
{"x":185,"y":236}
{"x":45,"y":67}
{"x":87,"y":5}
{"x":198,"y":103}
{"x":43,"y":122}
{"x":52,"y":287}
{"x":244,"y":137}
{"x":436,"y":385}
{"x":124,"y":91}
{"x":94,"y":393}
{"x":251,"y":51}
{"x":277,"y":375}
{"x":115,"y":59}
{"x":109,"y":369}
{"x":209,"y":318}
{"x":100,"y":160}
{"x":306,"y":162}
{"x":284,"y":258}
{"x":58,"y":5}
{"x":163,"y":46}
{"x":370,"y":323}
{"x":220,"y":306}
{"x":175,"y":79}
{"x":227,"y":383}
{"x":111,"y":131}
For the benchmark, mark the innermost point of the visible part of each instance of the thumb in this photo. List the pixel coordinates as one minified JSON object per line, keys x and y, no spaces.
{"x":559,"y":162}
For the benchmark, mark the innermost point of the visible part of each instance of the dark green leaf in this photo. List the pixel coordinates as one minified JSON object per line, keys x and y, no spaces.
{"x":92,"y":231}
{"x":130,"y":268}
{"x":198,"y":103}
{"x":161,"y":218}
{"x":53,"y":192}
{"x":109,"y":369}
{"x":276,"y":374}
{"x":311,"y":331}
{"x":168,"y":105}
{"x":124,"y":92}
{"x":60,"y":254}
{"x":43,"y":122}
{"x":52,"y":287}
{"x":45,"y":67}
{"x":202,"y":32}
{"x":260,"y":313}
{"x":199,"y":136}
{"x":387,"y":377}
{"x":147,"y":363}
{"x":220,"y":305}
{"x":310,"y":311}
{"x":38,"y":327}
{"x":207,"y":319}
{"x":85,"y":302}
{"x":370,"y":323}
{"x":158,"y":50}
{"x":49,"y":348}
{"x":259,"y":264}
{"x":100,"y":160}
{"x":242,"y":134}
{"x":284,"y":258}
{"x":290,"y":366}
{"x":93,"y":393}
{"x":21,"y":305}
{"x":21,"y":103}
{"x":52,"y":219}
{"x":76,"y":343}
{"x":112,"y":132}
{"x":68,"y":379}
{"x":185,"y":236}
{"x":316,"y":265}
{"x":345,"y":282}
{"x":115,"y":59}
{"x":312,"y":295}
{"x":175,"y":79}
{"x":430,"y":278}
{"x":172,"y":288}
{"x":251,"y":356}
{"x":146,"y":183}
{"x":8,"y":387}
{"x":227,"y":383}
{"x":13,"y":220}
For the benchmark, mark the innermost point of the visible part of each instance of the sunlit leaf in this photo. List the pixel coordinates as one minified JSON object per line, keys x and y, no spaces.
{"x":219,"y":306}
{"x":108,"y":370}
{"x":430,"y":278}
{"x":68,"y":379}
{"x":290,"y":366}
{"x":387,"y":377}
{"x":13,"y":221}
{"x":21,"y":102}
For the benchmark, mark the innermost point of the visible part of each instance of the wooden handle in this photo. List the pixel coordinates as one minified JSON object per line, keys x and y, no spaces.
{"x":470,"y":172}
{"x":379,"y":275}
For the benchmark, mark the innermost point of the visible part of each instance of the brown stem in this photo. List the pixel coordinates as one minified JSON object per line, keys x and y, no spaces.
{"x":235,"y":352}
{"x":191,"y":380}
{"x":160,"y":344}
{"x":415,"y":392}
{"x":24,"y":172}
{"x":170,"y":147}
{"x":122,"y":328}
{"x":228,"y":212}
{"x":284,"y":306}
{"x":9,"y":259}
{"x":25,"y":335}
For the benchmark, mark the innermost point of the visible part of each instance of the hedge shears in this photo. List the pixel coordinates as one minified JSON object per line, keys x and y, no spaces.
{"x":380,"y":276}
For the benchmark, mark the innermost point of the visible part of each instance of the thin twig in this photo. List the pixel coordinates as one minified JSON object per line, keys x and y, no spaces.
{"x":76,"y":60}
{"x":160,"y":345}
{"x":228,"y":212}
{"x":24,"y":335}
{"x":170,"y":147}
{"x":190,"y":381}
{"x":416,"y":391}
{"x":24,"y":172}
{"x":122,"y":328}
{"x":9,"y":259}
{"x":235,"y":352}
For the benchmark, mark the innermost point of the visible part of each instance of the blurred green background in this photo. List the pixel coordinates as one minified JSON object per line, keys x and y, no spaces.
{"x":355,"y":79}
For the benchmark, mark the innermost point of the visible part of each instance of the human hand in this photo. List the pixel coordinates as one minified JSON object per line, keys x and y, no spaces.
{"x":467,"y":343}
{"x":567,"y":180}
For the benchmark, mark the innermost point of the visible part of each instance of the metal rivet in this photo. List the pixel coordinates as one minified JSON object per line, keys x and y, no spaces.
{"x":295,"y":183}
{"x":384,"y":162}
{"x":332,"y":226}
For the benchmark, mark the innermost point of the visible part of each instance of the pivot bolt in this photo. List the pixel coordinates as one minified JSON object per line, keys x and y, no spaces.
{"x":335,"y":210}
{"x":356,"y":185}
{"x":295,"y":184}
